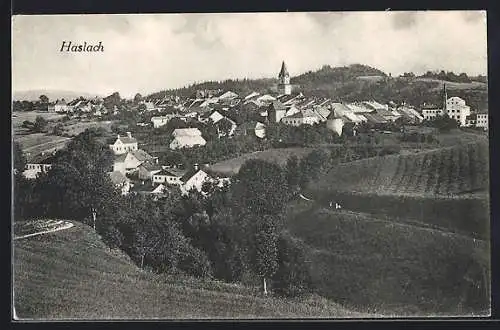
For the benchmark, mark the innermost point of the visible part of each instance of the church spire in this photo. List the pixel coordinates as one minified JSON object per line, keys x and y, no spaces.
{"x":283,"y":71}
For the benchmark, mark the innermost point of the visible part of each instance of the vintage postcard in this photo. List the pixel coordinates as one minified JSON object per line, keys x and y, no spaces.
{"x":306,"y":165}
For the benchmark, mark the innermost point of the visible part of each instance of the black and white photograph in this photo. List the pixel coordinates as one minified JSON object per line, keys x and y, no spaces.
{"x":250,"y":166}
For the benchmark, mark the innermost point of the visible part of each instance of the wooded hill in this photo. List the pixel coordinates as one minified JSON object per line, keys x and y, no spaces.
{"x":359,"y":82}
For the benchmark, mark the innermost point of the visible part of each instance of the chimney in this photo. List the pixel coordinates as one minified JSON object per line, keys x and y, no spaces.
{"x":129,"y":134}
{"x":195,"y":167}
{"x":117,"y":136}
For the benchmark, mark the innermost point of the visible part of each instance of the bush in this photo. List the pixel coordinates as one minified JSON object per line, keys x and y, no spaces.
{"x":196,"y":263}
{"x":292,"y":277}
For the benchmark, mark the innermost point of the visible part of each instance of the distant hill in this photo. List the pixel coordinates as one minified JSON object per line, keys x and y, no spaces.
{"x":34,"y":95}
{"x":352,"y":83}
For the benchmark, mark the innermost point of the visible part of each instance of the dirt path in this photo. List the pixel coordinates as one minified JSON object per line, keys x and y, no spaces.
{"x":62,"y":226}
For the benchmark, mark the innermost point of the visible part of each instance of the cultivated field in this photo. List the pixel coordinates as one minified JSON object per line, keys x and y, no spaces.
{"x":19,"y":117}
{"x":277,"y":156}
{"x":74,"y":128}
{"x":379,"y":265}
{"x":36,"y":143}
{"x":456,"y":85}
{"x":446,"y":171}
{"x":71,"y":274}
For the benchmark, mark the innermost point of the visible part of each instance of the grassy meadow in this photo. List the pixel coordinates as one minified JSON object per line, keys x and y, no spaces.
{"x":278,"y":156}
{"x":383,"y":266}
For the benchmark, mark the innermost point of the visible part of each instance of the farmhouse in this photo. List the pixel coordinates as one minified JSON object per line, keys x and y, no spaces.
{"x":120,"y":181}
{"x":39,"y":164}
{"x":130,"y":162}
{"x":147,"y":170}
{"x":304,"y":117}
{"x":61,"y":106}
{"x":159,"y":121}
{"x":193,"y":180}
{"x":186,"y":138}
{"x":170,"y":176}
{"x":124,"y":144}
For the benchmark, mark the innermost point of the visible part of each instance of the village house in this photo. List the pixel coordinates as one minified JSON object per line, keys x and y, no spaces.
{"x":193,"y":180}
{"x":304,"y":117}
{"x":276,"y":111}
{"x":41,"y":163}
{"x":149,"y":188}
{"x":482,"y":120}
{"x":186,"y":138}
{"x":124,"y":144}
{"x":120,"y":181}
{"x":457,"y":109}
{"x":130,"y":162}
{"x":61,"y":106}
{"x":171,"y":176}
{"x":252,"y":128}
{"x":148,"y":169}
{"x":159,"y":121}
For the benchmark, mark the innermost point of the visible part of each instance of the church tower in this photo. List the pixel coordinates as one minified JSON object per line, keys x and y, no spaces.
{"x":284,"y":86}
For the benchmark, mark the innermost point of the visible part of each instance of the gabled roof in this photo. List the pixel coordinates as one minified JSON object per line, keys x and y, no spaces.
{"x":277,"y":105}
{"x":306,"y":113}
{"x":172,"y":172}
{"x":61,"y":102}
{"x":178,"y":132}
{"x":375,"y":118}
{"x":190,"y":140}
{"x":118,"y":177}
{"x":141,"y":155}
{"x":228,"y":95}
{"x":126,"y":139}
{"x":151,"y":166}
{"x":47,"y":158}
{"x":120,"y":158}
{"x":189,"y":174}
{"x":252,"y":95}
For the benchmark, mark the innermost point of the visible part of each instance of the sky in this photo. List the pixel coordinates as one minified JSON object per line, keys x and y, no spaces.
{"x":145,"y":53}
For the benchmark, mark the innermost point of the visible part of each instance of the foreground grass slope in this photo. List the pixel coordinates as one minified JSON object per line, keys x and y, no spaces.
{"x":71,"y":274}
{"x":376,"y":264}
{"x":446,"y":171}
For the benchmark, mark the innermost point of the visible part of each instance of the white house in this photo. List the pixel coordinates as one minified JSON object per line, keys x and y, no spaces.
{"x":457,"y":109}
{"x":147,"y":170}
{"x":304,"y":117}
{"x":170,"y":176}
{"x":39,"y":164}
{"x":124,"y":144}
{"x":482,"y":120}
{"x":186,"y":138}
{"x":130,"y":162}
{"x":159,"y":121}
{"x":193,"y":180}
{"x":61,"y":106}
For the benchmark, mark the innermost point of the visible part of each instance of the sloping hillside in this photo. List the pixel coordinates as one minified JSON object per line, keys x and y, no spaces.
{"x":71,"y":274}
{"x":447,"y":171}
{"x":394,"y":268}
{"x":278,"y":156}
